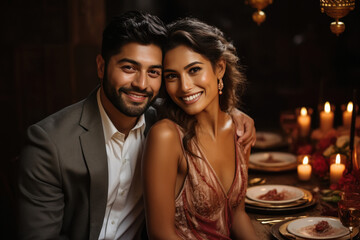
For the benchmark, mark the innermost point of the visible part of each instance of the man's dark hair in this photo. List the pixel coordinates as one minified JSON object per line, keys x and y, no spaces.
{"x":132,"y":26}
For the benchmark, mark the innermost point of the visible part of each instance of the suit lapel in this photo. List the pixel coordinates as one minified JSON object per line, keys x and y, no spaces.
{"x":93,"y":147}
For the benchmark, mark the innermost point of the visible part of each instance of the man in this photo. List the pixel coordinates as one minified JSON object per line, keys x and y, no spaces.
{"x":79,"y":173}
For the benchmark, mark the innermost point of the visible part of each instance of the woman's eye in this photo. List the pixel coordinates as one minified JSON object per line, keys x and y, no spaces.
{"x":194,"y":69}
{"x":154,"y":73}
{"x":170,"y":76}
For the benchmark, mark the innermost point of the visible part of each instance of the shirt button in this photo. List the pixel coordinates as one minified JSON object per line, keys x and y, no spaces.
{"x":122,"y":193}
{"x":112,"y":222}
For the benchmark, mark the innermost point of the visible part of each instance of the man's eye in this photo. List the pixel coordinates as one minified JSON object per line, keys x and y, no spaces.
{"x":128,"y":68}
{"x":154,"y":73}
{"x":194,"y":69}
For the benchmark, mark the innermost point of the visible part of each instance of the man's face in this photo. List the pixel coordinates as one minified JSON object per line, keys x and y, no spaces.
{"x":132,"y":78}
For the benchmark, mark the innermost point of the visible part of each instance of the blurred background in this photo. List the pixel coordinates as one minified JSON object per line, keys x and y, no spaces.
{"x":49,"y":49}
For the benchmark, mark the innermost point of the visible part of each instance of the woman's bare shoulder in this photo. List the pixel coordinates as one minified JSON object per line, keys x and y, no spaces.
{"x":164,"y":130}
{"x":163,"y":143}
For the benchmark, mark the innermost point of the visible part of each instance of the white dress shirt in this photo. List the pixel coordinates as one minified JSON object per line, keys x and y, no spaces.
{"x":124,"y":209}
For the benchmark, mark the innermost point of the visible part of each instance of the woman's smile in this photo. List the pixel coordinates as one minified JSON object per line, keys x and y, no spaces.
{"x":191,"y":98}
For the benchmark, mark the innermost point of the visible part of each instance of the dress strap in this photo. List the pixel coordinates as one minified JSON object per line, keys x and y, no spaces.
{"x":181,"y":135}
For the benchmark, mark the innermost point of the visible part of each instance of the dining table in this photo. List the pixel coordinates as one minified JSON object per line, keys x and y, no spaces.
{"x":266,"y":230}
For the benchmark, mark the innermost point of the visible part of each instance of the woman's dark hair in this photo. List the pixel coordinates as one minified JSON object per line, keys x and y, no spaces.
{"x":210,"y":42}
{"x":132,"y":26}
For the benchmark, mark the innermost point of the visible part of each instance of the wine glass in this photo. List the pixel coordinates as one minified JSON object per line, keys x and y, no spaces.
{"x":288,"y":124}
{"x":349,"y":210}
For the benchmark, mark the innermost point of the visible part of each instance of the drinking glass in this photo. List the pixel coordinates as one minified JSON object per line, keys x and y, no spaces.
{"x":349,"y":210}
{"x":288,"y":124}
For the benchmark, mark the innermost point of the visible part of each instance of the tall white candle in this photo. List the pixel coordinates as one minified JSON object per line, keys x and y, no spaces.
{"x":304,"y":122}
{"x":304,"y":170}
{"x":347,"y":115}
{"x":336,"y":170}
{"x":326,"y":118}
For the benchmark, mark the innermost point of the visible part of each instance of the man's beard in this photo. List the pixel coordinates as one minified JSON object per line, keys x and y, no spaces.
{"x":131,"y":110}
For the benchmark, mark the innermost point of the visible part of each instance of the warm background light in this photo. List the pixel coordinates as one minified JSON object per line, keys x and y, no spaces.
{"x":350,"y":107}
{"x":327,"y":107}
{"x":337,"y":159}
{"x":303,"y":111}
{"x":304,"y":170}
{"x":336,"y":170}
{"x":306,"y":160}
{"x":326,"y":118}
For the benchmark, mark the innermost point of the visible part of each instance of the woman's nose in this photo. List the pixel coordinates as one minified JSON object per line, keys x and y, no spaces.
{"x":186,"y":84}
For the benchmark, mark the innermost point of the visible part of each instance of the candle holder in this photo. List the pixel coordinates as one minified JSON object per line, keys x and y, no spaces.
{"x":347,"y":115}
{"x":304,"y":168}
{"x":337,"y":167}
{"x":303,"y":116}
{"x":326,"y":117}
{"x":337,"y":9}
{"x":258,"y":16}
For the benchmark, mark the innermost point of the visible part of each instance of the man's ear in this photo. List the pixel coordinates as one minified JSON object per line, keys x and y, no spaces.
{"x":100,"y":63}
{"x":220,"y":68}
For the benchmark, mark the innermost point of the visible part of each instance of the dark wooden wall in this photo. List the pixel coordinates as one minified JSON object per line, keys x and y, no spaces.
{"x":292,"y":59}
{"x":48,"y":60}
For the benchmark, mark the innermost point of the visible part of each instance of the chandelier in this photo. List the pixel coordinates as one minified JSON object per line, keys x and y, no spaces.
{"x":337,"y":9}
{"x":258,"y":16}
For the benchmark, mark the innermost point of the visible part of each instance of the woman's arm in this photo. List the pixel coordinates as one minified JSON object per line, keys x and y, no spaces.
{"x":242,"y":227}
{"x":159,"y":172}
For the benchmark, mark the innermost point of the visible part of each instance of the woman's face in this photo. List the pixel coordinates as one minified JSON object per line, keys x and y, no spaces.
{"x":190,"y":79}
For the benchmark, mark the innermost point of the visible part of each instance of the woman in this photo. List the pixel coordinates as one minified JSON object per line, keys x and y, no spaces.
{"x":194,"y":172}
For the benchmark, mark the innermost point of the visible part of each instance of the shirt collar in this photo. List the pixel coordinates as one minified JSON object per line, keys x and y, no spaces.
{"x":108,"y":126}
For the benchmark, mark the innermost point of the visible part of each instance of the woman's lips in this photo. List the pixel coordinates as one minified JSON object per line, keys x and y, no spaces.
{"x":192,"y":98}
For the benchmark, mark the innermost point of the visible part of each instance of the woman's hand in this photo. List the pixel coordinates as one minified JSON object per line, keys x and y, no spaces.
{"x":245,"y":129}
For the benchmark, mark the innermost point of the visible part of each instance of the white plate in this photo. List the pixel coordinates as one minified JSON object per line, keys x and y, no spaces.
{"x":272,"y":159}
{"x":292,"y":193}
{"x":267,"y":139}
{"x":298,"y":227}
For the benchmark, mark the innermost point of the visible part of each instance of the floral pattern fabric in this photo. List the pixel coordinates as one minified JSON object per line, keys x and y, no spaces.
{"x":203,"y":208}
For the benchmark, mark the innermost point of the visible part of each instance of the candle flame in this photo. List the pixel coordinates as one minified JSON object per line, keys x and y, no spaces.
{"x":327,"y":107}
{"x":303,"y":111}
{"x":306,"y":160}
{"x":337,"y":160}
{"x":350,"y":107}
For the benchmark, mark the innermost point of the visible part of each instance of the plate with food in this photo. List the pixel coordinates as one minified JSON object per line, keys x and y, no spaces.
{"x":272,"y":159}
{"x":274,"y":193}
{"x":317,"y":228}
{"x":267,"y":140}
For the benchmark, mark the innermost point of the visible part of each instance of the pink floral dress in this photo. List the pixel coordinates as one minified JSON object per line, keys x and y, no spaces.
{"x":203,"y":208}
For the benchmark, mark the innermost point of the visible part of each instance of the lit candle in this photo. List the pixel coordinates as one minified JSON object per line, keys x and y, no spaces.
{"x":336,"y":170}
{"x":347,"y":115}
{"x":326,"y":118}
{"x":304,"y":121}
{"x":304,"y":170}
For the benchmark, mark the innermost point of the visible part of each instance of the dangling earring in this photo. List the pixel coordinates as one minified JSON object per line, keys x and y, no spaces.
{"x":220,"y":86}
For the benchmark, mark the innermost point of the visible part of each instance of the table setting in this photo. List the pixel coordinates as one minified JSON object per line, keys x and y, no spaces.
{"x":295,"y":199}
{"x":304,"y":183}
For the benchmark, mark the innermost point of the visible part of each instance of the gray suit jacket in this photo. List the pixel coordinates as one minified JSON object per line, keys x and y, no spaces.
{"x":63,"y":174}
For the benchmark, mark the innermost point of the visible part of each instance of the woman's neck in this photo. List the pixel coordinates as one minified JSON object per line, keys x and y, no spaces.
{"x":212,"y":122}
